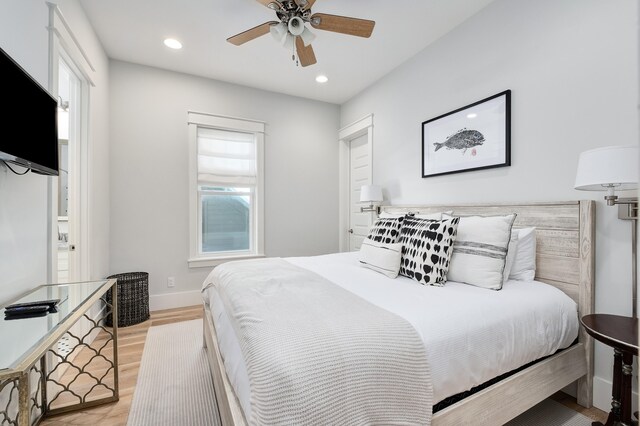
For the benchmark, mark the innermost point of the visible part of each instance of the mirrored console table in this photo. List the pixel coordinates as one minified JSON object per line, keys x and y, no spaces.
{"x":63,"y":361}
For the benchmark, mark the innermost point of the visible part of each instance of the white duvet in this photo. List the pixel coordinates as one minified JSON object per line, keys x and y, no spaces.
{"x":471,"y":334}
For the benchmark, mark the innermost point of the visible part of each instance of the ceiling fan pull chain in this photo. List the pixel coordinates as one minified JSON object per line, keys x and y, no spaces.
{"x":293,"y":52}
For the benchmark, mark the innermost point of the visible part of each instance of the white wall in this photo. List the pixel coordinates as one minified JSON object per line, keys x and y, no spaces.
{"x":572,"y":67}
{"x":23,"y":199}
{"x":149,"y":173}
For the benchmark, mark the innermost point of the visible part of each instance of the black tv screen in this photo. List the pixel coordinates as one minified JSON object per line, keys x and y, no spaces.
{"x":28,"y":119}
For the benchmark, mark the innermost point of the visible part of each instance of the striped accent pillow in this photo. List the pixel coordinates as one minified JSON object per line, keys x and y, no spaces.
{"x":480,"y":250}
{"x":381,"y":257}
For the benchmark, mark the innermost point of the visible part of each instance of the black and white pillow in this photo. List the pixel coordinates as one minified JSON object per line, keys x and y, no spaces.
{"x":386,"y":230}
{"x":426,"y":249}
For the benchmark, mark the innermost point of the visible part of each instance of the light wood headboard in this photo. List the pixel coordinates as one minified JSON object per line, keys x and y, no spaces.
{"x":565,"y":254}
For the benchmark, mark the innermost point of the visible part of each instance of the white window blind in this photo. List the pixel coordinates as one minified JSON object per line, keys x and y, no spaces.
{"x":226,"y":157}
{"x":226,"y":199}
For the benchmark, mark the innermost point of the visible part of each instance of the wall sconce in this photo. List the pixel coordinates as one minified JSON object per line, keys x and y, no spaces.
{"x":371,"y":194}
{"x":609,"y":169}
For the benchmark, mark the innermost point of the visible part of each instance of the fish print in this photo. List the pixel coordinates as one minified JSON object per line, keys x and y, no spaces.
{"x":463,"y":139}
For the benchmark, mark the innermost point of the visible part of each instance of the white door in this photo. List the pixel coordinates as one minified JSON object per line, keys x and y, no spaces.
{"x":359,"y":175}
{"x":69,"y":132}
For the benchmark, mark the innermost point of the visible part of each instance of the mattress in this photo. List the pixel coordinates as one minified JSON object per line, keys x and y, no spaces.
{"x":471,"y":334}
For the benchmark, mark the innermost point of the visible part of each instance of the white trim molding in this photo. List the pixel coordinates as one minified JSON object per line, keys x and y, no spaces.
{"x":357,"y":128}
{"x":158,"y":302}
{"x":602,"y":394}
{"x":209,"y":262}
{"x":64,"y":45}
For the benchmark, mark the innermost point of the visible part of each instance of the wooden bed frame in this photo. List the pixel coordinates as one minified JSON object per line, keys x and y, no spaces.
{"x":565,"y":233}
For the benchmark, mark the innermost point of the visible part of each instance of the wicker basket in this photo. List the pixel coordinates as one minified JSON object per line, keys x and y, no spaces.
{"x":133,"y":298}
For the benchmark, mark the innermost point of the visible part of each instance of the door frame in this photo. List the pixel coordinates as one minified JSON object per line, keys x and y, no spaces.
{"x":345,"y":136}
{"x":63,"y":44}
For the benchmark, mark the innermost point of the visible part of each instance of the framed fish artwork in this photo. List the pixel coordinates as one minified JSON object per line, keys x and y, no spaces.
{"x":474,"y":137}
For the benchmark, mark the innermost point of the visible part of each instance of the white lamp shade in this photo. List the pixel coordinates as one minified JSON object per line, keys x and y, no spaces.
{"x":278,"y":31}
{"x":370,"y":194}
{"x":288,"y":41}
{"x":603,"y":168}
{"x":296,"y":25}
{"x":307,"y":37}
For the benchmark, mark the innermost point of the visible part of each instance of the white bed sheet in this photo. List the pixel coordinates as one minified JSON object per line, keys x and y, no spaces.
{"x":471,"y":334}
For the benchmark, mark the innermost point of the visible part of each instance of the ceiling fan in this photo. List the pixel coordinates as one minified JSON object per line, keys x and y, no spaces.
{"x":292,"y":32}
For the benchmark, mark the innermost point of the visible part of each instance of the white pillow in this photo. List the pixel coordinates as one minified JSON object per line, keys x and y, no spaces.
{"x":524,"y":263}
{"x":480,"y":250}
{"x":385,"y":215}
{"x":430,"y":216}
{"x":381,"y":257}
{"x":511,"y":255}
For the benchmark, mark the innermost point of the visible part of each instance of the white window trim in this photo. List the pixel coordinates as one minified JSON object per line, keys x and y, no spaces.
{"x":63,"y":44}
{"x":198,"y":119}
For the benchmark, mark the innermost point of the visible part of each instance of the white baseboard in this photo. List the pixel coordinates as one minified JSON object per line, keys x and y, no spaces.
{"x":602,"y":394}
{"x":159,"y":302}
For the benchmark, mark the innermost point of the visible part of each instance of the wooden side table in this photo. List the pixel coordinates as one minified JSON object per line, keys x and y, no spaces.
{"x":621,"y":333}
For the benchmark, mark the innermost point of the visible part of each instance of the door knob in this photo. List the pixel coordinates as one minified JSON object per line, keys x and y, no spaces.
{"x":350,"y":231}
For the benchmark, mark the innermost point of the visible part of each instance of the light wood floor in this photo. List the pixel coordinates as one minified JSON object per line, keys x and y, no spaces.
{"x":131,"y":344}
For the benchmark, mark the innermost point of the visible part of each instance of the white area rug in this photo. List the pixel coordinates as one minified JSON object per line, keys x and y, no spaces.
{"x":175,"y":387}
{"x":174,"y":384}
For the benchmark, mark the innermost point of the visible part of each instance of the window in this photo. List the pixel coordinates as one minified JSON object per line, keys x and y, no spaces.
{"x":226,"y":182}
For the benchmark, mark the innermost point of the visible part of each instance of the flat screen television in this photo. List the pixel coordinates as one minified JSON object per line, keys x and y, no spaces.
{"x":28,"y":121}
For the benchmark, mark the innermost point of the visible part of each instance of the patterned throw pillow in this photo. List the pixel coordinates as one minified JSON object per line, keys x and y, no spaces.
{"x":386,"y":230}
{"x":426,"y":249}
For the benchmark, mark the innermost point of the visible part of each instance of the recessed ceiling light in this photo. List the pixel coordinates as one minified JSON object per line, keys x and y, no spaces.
{"x":322,"y":79}
{"x":472,"y":115}
{"x":172,"y":43}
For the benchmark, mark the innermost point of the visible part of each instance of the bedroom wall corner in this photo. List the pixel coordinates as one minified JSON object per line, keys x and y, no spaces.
{"x":572,"y":90}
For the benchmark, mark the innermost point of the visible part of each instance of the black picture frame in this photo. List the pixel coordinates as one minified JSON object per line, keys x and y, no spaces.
{"x":447,"y":138}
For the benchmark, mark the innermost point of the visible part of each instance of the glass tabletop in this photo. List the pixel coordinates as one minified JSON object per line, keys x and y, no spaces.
{"x":19,"y":336}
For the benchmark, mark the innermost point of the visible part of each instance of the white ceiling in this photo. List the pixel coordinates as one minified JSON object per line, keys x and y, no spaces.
{"x":133,"y":31}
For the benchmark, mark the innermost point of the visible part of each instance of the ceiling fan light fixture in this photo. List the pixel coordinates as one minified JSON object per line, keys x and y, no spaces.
{"x":288,"y":41}
{"x":278,"y":31}
{"x":296,"y":25}
{"x":307,"y":36}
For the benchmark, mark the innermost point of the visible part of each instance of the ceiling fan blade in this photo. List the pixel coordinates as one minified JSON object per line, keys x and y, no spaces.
{"x":343,"y":24}
{"x":305,"y":53}
{"x":249,"y":35}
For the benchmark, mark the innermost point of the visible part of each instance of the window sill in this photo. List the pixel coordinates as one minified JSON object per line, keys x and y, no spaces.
{"x":207,"y":262}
